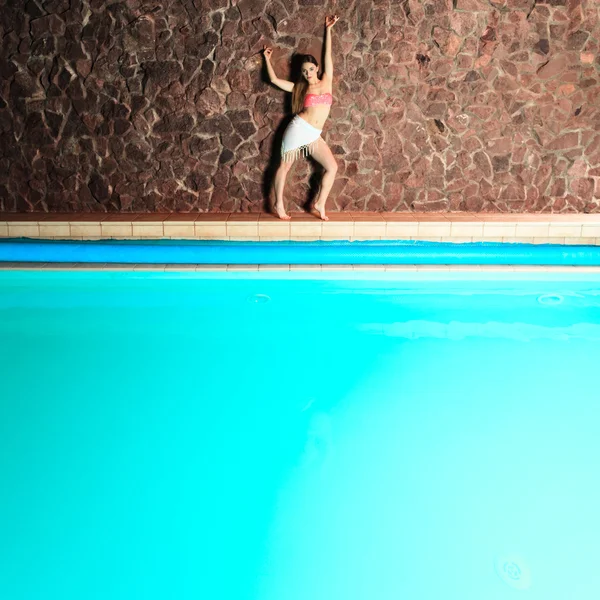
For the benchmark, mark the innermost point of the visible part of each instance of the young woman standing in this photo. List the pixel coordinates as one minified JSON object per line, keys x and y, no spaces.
{"x":311,"y":103}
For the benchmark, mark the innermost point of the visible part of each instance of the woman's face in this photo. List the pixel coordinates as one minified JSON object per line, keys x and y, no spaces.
{"x":309,"y":71}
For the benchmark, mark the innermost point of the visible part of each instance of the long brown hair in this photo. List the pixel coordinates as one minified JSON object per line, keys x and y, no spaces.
{"x":301,"y":85}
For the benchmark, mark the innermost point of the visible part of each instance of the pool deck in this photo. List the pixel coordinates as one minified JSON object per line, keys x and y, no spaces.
{"x":571,"y":228}
{"x":525,"y":228}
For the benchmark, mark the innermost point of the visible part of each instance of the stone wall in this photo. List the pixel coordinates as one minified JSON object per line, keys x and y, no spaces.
{"x":480,"y":105}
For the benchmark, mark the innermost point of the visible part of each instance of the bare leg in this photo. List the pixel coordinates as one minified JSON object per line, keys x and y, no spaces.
{"x":280,"y":176}
{"x":324,"y":156}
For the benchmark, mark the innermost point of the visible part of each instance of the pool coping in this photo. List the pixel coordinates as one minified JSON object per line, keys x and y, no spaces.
{"x":459,"y":227}
{"x":265,"y":268}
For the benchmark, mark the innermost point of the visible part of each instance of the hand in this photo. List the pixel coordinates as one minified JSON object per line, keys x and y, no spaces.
{"x":331,"y":21}
{"x":267,"y":52}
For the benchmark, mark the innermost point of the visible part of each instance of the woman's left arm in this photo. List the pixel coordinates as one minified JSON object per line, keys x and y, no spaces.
{"x":329,"y":23}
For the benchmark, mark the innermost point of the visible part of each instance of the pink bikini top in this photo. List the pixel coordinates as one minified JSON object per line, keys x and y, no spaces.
{"x":318,"y":100}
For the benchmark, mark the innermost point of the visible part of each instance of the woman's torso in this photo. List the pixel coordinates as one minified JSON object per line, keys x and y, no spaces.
{"x":316,"y":115}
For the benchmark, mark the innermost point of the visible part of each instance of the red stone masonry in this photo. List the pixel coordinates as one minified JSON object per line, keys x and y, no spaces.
{"x":439,"y":105}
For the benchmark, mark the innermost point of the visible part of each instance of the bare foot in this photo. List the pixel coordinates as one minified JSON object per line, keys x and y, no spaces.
{"x":320,"y":212}
{"x":281,"y":213}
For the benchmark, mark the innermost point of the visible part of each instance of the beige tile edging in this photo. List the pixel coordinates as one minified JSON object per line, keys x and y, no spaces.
{"x":437,"y":227}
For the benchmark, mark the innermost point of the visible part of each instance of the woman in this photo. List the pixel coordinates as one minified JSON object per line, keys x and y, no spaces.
{"x":311,"y":102}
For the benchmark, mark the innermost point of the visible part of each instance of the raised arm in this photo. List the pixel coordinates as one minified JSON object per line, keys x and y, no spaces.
{"x":288,"y":86}
{"x":329,"y":23}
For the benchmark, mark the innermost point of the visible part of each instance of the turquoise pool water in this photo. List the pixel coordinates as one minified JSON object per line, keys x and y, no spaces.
{"x":174,"y":436}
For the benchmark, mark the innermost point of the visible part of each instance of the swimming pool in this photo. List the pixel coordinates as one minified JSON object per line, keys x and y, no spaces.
{"x":316,"y":436}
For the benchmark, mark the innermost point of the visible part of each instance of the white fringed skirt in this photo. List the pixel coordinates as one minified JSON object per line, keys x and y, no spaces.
{"x":299,"y":139}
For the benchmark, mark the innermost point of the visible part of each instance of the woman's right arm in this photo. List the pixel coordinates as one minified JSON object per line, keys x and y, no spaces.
{"x":288,"y":86}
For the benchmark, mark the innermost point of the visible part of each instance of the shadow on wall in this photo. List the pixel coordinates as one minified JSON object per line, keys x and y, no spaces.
{"x":438,"y":106}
